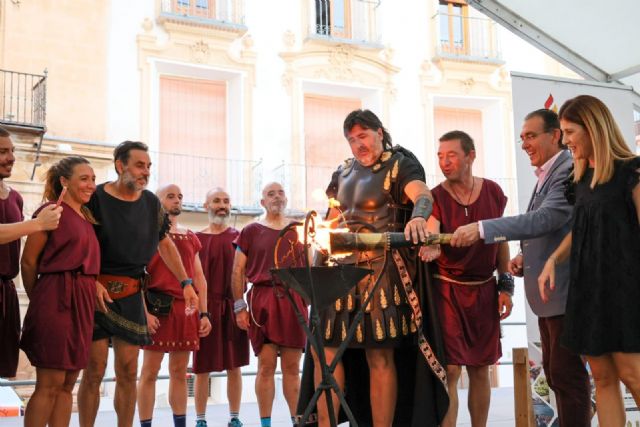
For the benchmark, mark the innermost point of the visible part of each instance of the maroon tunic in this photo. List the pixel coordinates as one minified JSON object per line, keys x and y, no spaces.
{"x":226,"y":346}
{"x":469,"y":314}
{"x":273,"y":319}
{"x":10,"y":212}
{"x":177,"y":331}
{"x":58,"y":325}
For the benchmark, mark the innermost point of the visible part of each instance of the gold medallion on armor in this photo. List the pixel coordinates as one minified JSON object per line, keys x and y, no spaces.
{"x":327,"y":332}
{"x":392,"y":328}
{"x":359,"y":335}
{"x":383,"y":299}
{"x":405,"y":327}
{"x":379,"y":331}
{"x":396,"y":295}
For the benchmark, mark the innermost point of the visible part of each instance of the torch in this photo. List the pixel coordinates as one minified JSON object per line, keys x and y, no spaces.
{"x":349,"y":242}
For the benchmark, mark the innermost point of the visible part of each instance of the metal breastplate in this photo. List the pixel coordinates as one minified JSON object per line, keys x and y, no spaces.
{"x":366,"y":196}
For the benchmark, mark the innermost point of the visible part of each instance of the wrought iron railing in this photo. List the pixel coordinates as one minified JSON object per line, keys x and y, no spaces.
{"x":466,"y":37}
{"x":354,"y":21}
{"x":196,"y":175}
{"x":212,"y":11}
{"x":23,"y":99}
{"x":305,"y":185}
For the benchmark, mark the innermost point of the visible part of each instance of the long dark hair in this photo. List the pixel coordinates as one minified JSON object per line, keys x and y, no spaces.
{"x":53,"y":187}
{"x":367,"y":120}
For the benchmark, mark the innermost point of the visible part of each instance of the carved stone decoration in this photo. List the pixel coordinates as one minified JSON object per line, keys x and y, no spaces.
{"x":341,"y":60}
{"x":247,"y":42}
{"x":388,"y":53}
{"x":289,"y":39}
{"x":147,"y":24}
{"x":200,"y":52}
{"x":287,"y":81}
{"x":468,"y":84}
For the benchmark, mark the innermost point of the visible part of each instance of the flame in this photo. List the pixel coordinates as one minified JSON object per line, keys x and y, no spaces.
{"x":319,"y":237}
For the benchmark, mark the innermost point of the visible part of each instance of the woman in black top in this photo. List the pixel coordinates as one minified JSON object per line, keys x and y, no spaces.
{"x":602,"y":317}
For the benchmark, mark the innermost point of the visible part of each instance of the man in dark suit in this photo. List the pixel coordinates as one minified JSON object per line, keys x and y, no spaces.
{"x":540,"y":230}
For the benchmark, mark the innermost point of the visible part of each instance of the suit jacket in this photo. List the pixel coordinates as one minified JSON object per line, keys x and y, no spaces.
{"x":540,"y":230}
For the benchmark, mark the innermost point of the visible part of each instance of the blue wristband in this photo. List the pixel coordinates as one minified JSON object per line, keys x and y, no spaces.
{"x":186,"y":282}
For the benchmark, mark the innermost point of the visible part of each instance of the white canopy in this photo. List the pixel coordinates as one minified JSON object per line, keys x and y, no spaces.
{"x":599,"y":40}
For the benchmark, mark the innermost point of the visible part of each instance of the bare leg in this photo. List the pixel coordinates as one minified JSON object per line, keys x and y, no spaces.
{"x":323,"y":412}
{"x":234,"y":389}
{"x":201,"y":391}
{"x":290,"y":365}
{"x":89,"y":392}
{"x":453,"y":376}
{"x":628,"y":367}
{"x":61,"y":415}
{"x":479,"y":395}
{"x":265,"y":384}
{"x":383,"y":385}
{"x":49,"y":383}
{"x":126,"y":367}
{"x":147,"y":385}
{"x":178,"y":362}
{"x":609,"y":406}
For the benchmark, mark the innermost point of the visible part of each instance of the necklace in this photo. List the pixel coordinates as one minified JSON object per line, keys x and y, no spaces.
{"x":459,"y":200}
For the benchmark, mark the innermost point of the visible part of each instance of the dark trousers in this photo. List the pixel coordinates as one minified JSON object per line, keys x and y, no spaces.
{"x":566,"y":375}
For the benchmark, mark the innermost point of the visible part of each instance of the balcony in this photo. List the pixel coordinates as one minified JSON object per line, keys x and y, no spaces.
{"x":196,"y":175}
{"x":23,"y":101}
{"x":465,"y":38}
{"x":223,"y":14}
{"x":344,"y":21}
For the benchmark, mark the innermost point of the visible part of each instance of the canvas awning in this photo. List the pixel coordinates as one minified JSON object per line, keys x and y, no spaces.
{"x":599,"y":40}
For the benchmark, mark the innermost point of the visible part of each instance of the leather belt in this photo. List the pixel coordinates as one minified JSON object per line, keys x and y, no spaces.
{"x":119,"y":286}
{"x":464,"y":283}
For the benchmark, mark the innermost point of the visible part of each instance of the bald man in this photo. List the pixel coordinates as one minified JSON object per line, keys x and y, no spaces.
{"x":173,"y":329}
{"x":269,"y":317}
{"x":226,"y":348}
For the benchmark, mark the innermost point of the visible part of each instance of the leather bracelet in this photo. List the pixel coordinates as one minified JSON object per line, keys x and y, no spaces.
{"x":506,"y":283}
{"x":239,"y":305}
{"x":205,"y":314}
{"x":422,"y":208}
{"x":186,"y":282}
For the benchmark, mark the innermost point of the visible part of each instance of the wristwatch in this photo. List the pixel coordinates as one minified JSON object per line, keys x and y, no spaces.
{"x":205,"y":314}
{"x":186,"y":282}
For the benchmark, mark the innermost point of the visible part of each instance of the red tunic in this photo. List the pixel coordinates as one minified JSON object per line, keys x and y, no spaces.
{"x":273,"y":319}
{"x":10,"y":212}
{"x":469,"y":314}
{"x":177,"y":331}
{"x":58,"y":325}
{"x":226,"y":346}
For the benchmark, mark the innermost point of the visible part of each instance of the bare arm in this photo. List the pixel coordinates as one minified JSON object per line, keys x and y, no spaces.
{"x":47,"y":219}
{"x":548,"y":273}
{"x":169,"y":254}
{"x":505,"y":304}
{"x":29,"y":261}
{"x":201,"y":285}
{"x":431,"y":252}
{"x":416,"y":228}
{"x":237,"y":287}
{"x":503,"y":257}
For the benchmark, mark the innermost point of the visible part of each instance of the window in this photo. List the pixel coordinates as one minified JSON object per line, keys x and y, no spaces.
{"x":193,"y":135}
{"x":333,"y":18}
{"x":325,"y":147}
{"x":453,"y":26}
